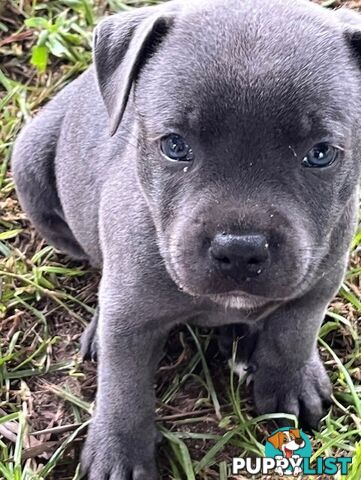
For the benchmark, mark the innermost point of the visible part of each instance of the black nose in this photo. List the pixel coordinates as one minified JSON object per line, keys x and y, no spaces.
{"x":240,"y":254}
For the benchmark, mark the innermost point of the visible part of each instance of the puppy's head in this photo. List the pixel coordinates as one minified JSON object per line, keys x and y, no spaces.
{"x":247,"y":123}
{"x":287,"y":441}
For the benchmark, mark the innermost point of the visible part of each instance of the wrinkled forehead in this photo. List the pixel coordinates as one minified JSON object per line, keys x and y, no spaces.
{"x":286,"y":69}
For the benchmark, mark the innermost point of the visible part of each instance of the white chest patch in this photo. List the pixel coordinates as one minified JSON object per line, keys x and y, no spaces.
{"x":239,"y":302}
{"x":240,"y":368}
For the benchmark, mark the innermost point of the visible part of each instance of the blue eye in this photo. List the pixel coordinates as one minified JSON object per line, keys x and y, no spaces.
{"x":321,"y":155}
{"x":176,"y":148}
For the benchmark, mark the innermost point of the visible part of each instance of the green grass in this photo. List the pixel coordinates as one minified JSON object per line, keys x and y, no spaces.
{"x":46,"y":394}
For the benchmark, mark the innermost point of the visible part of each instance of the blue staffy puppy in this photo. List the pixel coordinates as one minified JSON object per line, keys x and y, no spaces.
{"x":208,"y":164}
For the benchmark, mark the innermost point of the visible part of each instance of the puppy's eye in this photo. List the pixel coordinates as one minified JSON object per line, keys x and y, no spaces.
{"x":321,"y":155}
{"x":176,"y":148}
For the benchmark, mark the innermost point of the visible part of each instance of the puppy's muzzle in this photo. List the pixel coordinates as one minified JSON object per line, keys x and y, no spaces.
{"x":240,"y":257}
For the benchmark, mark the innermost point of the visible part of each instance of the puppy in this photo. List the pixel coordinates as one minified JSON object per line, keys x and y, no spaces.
{"x":208,"y":164}
{"x":287,"y":442}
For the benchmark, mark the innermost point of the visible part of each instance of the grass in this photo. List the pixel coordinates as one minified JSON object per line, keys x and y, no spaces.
{"x":46,"y":394}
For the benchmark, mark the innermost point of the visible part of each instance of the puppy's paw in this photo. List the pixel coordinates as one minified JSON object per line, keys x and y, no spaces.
{"x":115,"y":456}
{"x":305,"y":392}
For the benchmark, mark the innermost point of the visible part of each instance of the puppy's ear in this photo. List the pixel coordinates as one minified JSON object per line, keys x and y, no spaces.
{"x":277,"y":440}
{"x":351,"y":23}
{"x":122,"y":44}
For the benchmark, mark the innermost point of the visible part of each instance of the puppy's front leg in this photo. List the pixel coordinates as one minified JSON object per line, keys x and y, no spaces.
{"x":122,"y":435}
{"x":289,"y":376}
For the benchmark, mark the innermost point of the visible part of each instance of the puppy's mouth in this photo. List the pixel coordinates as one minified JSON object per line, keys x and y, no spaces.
{"x":234,"y":299}
{"x":239,"y":300}
{"x":288,"y":452}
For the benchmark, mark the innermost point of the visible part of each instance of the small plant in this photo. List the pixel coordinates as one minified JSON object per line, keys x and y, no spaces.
{"x":62,"y":37}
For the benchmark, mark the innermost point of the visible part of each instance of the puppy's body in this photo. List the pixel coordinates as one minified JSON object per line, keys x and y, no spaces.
{"x":251,"y":92}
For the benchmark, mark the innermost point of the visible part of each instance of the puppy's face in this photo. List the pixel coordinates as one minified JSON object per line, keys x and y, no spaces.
{"x":287,"y":441}
{"x":247,"y":126}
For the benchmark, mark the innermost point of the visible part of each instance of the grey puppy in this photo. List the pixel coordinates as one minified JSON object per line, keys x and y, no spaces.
{"x":208,"y":163}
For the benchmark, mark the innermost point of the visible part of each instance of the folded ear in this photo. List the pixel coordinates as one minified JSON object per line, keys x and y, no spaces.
{"x":351,"y":23}
{"x":122,"y":43}
{"x":276,"y":440}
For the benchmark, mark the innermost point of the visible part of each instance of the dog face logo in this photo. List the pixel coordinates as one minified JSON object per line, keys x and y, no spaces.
{"x":287,"y":441}
{"x":290,"y":444}
{"x":288,"y":452}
